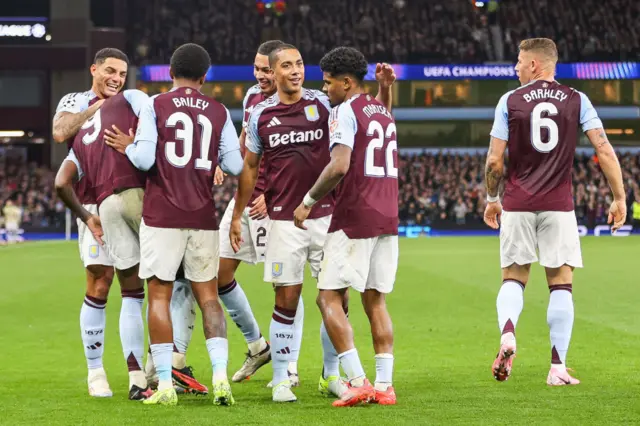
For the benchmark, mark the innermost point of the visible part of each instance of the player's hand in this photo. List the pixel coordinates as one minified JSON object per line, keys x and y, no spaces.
{"x":218,"y":176}
{"x":617,"y":214}
{"x":492,"y":214}
{"x":235,"y":235}
{"x":385,"y":75}
{"x":258,"y":208}
{"x":118,"y":140}
{"x":95,"y":226}
{"x":300,"y":215}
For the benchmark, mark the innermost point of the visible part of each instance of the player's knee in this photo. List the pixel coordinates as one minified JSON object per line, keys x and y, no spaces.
{"x":288,"y":296}
{"x":99,"y":281}
{"x":373,"y":300}
{"x":129,"y":279}
{"x":226,"y":273}
{"x":559,"y":276}
{"x":515,"y":272}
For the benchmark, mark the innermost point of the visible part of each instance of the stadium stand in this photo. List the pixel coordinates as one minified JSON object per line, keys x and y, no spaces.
{"x":412,"y":31}
{"x":441,"y":190}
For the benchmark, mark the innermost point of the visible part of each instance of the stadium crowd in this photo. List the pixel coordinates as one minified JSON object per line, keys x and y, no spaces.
{"x":399,"y":31}
{"x":29,"y":187}
{"x":444,"y":189}
{"x":435,"y":190}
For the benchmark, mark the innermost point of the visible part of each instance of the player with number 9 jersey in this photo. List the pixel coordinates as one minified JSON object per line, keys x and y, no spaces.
{"x":116,"y":184}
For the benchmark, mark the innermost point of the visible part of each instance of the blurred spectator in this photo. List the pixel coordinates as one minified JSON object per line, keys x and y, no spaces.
{"x":399,"y":31}
{"x":446,"y":189}
{"x":435,"y":190}
{"x":29,"y":188}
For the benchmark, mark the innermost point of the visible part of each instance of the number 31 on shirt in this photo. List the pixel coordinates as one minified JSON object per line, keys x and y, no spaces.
{"x":185,"y":134}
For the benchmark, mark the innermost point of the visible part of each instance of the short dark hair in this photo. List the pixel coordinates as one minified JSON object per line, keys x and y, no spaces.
{"x":345,"y":61}
{"x":268,"y":46}
{"x":190,"y":61}
{"x":109,"y":52}
{"x":273,"y":55}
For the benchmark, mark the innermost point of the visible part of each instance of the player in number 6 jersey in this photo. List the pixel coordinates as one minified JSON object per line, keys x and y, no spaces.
{"x":361,"y":250}
{"x":538,"y":123}
{"x":184,"y":134}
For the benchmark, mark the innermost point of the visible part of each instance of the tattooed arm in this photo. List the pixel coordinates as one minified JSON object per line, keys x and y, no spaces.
{"x":67,"y":124}
{"x":494,"y":169}
{"x":608,"y":161}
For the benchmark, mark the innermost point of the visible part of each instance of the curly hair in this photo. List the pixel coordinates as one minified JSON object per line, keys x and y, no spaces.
{"x":345,"y":61}
{"x":190,"y":61}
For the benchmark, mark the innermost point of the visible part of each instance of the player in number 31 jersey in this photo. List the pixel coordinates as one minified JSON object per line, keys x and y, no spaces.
{"x":361,"y":249}
{"x":538,"y":122}
{"x":182,"y":136}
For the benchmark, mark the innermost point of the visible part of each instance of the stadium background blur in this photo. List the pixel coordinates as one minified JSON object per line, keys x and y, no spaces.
{"x":440,"y":108}
{"x":454,"y":60}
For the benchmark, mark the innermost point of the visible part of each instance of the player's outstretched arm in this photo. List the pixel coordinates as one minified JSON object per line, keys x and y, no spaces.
{"x":67,"y":124}
{"x":611,"y":168}
{"x":327,"y":181}
{"x":386,"y":76}
{"x":64,"y":188}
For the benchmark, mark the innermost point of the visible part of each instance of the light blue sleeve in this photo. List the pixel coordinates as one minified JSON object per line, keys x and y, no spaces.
{"x":72,"y":157}
{"x":252,"y":141}
{"x":142,"y":152}
{"x":229,"y":156}
{"x":137,"y":99}
{"x":342,"y":126}
{"x":500,"y":127}
{"x":324,"y":99}
{"x":588,"y":116}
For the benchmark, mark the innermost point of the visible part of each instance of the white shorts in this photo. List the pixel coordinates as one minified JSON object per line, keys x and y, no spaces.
{"x":91,"y":253}
{"x":164,"y":249}
{"x":553,"y":234}
{"x":120,"y":215}
{"x":362,"y":264}
{"x":254,"y":233}
{"x":289,"y":248}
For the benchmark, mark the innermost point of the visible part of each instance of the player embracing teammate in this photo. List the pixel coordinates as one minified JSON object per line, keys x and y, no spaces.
{"x":290,"y":133}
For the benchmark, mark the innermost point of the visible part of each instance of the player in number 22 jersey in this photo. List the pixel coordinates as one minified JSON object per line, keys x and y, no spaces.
{"x":361,"y":250}
{"x":538,"y":123}
{"x":184,"y":134}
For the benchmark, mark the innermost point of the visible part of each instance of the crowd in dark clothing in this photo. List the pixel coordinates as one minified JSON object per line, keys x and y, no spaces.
{"x":435,"y":190}
{"x":31,"y":188}
{"x":398,"y":31}
{"x":446,"y":189}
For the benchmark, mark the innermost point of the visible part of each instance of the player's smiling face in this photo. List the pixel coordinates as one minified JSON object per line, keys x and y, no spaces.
{"x":289,"y":71}
{"x":109,"y":77}
{"x":334,"y":88}
{"x":263,"y":74}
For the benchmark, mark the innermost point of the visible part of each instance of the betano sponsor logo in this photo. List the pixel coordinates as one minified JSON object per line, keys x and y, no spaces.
{"x":295,"y":137}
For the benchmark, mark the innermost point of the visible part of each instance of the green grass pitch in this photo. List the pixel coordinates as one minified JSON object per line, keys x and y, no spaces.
{"x":446,"y":338}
